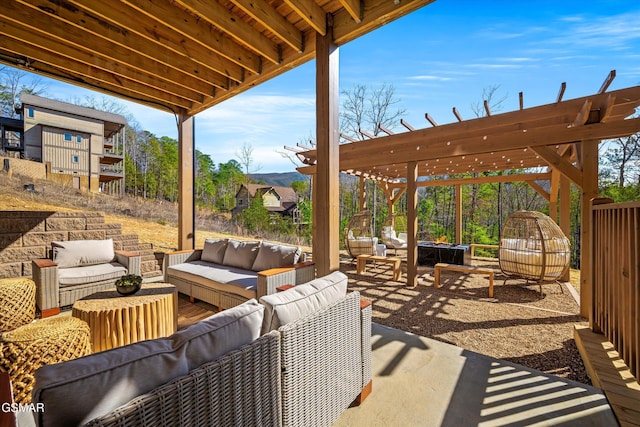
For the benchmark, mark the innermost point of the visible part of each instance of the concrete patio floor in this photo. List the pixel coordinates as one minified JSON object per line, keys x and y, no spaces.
{"x":423,"y":382}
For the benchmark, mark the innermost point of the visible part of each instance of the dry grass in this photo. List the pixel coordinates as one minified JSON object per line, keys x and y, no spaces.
{"x":517,"y":325}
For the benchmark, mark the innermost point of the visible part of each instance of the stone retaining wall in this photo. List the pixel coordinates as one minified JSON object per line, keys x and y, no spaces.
{"x":28,"y":168}
{"x":26,"y":235}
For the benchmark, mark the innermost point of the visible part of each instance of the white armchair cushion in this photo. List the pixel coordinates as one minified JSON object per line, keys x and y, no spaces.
{"x":285,"y":307}
{"x":76,"y":253}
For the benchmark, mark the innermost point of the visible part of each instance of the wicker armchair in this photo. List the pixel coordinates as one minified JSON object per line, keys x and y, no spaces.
{"x":61,"y":285}
{"x":394,"y":232}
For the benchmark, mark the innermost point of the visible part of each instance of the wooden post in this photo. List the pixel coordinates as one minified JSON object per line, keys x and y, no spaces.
{"x":412,"y":224}
{"x":326,"y":205}
{"x":553,"y":194}
{"x":565,"y":212}
{"x":186,"y":202}
{"x":589,"y":162}
{"x":363,"y":193}
{"x":458,"y":238}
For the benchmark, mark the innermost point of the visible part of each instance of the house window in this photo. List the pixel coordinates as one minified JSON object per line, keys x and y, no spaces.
{"x":67,"y":137}
{"x":30,"y":112}
{"x":78,"y":138}
{"x":75,"y":159}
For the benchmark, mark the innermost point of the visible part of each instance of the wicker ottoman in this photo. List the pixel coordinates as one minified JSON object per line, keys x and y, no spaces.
{"x":41,"y":343}
{"x":18,"y":302}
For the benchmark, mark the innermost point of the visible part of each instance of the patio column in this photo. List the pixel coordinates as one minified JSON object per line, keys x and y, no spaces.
{"x":186,"y":202}
{"x":458,"y":238}
{"x":363,"y":193}
{"x":326,"y":212}
{"x":412,"y":224}
{"x":589,"y":162}
{"x":565,"y":212}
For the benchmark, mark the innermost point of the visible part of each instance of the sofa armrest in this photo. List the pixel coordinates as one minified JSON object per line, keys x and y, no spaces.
{"x":270,"y":280}
{"x":178,"y":257}
{"x":45,"y":276}
{"x":131,"y":260}
{"x":367,"y":367}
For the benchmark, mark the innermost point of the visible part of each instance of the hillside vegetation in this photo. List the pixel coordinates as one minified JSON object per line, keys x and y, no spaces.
{"x":153,"y":221}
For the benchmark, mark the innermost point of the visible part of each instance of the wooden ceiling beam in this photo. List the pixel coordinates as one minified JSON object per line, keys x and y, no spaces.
{"x":266,"y":15}
{"x":151,"y":98}
{"x":374,"y":14}
{"x":404,"y":123}
{"x":583,"y":115}
{"x":430,"y":120}
{"x":353,"y":7}
{"x":231,"y":24}
{"x":160,"y":36}
{"x":59,"y":30}
{"x":311,"y":13}
{"x":200,"y":31}
{"x":94,"y":67}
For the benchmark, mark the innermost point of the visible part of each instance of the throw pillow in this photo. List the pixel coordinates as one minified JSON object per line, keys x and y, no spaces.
{"x":77,"y":253}
{"x":241,"y":254}
{"x":213,"y":250}
{"x":271,"y":255}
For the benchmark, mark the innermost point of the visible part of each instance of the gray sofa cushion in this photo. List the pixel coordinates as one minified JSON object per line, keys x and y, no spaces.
{"x":241,"y":254}
{"x":75,"y":253}
{"x":213,"y":250}
{"x":90,"y":274}
{"x":215,"y":276}
{"x":90,"y":386}
{"x":272,"y":255}
{"x":299,"y":301}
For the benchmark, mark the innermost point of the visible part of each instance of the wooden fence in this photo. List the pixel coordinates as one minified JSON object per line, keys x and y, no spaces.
{"x":616,"y":278}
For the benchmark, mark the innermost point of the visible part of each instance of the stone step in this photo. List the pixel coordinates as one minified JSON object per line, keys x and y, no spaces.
{"x":146,"y":266}
{"x":137,"y":247}
{"x":126,"y":237}
{"x":152,"y":276}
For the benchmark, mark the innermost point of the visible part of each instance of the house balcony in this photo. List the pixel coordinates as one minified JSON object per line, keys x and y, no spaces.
{"x":111,"y":172}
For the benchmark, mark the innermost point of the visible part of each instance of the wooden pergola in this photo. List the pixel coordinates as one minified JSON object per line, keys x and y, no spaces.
{"x":562,"y":137}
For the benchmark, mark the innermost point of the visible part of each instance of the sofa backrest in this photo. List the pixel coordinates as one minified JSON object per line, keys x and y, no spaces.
{"x":250,"y":255}
{"x":82,"y":389}
{"x":301,"y":300}
{"x":80,"y":253}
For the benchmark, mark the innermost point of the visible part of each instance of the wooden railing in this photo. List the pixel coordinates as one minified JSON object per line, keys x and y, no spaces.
{"x":616,"y":278}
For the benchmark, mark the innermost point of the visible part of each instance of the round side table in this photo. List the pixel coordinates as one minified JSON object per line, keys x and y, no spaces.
{"x":116,"y":320}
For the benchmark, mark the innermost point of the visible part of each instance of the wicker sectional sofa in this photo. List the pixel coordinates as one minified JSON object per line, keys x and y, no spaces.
{"x":299,"y":357}
{"x":228,"y":272}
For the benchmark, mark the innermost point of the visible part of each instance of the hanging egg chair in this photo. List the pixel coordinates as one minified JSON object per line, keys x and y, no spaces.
{"x":358,"y":236}
{"x":394,"y":232}
{"x":534,"y":248}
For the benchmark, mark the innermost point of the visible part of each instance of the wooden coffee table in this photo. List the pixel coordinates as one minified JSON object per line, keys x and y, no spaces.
{"x":117,"y":320}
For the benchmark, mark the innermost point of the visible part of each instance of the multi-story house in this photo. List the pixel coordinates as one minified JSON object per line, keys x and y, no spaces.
{"x":280,"y":200}
{"x":81,"y":147}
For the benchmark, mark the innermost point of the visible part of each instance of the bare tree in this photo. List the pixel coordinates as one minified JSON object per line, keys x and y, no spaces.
{"x":12,"y":84}
{"x":493,"y":99}
{"x":622,"y":157}
{"x":245,"y":158}
{"x":368,"y":110}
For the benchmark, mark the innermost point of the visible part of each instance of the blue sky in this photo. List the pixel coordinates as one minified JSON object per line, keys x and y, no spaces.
{"x":439,"y":57}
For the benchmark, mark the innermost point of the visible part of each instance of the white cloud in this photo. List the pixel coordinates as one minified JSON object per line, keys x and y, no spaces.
{"x":430,"y":78}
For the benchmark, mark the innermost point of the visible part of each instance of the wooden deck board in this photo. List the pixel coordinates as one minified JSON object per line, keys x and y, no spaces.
{"x":608,"y":372}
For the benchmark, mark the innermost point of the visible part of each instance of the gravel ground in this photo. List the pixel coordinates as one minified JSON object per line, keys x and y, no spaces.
{"x":519,"y":324}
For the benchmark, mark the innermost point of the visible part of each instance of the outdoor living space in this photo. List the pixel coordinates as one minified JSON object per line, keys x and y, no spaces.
{"x":491,"y":361}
